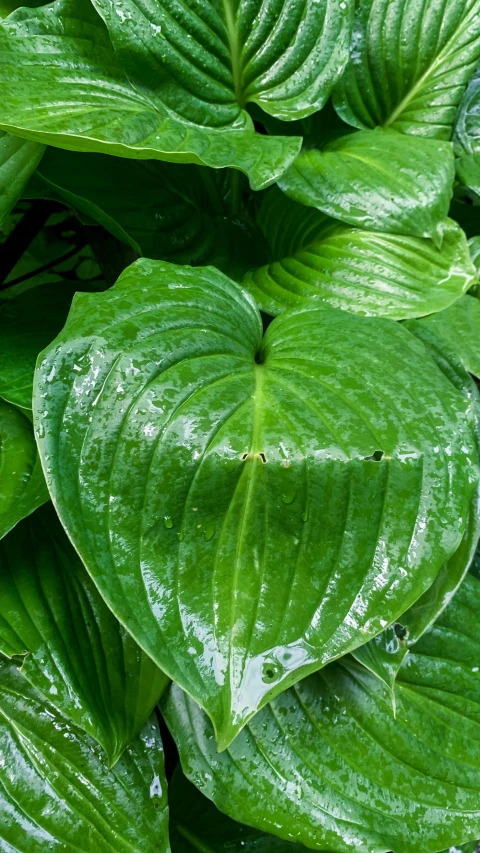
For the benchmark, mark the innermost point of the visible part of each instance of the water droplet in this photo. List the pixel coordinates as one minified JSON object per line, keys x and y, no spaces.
{"x":305,"y":515}
{"x":270,"y":672}
{"x":168,"y":522}
{"x":180,"y":536}
{"x":289,"y":496}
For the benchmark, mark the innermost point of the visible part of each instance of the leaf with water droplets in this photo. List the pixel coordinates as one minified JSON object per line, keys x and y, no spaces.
{"x":170,"y":80}
{"x":57,"y":791}
{"x":312,"y":500}
{"x":328,"y":765}
{"x":410,"y":62}
{"x":76,"y":653}
{"x":314,"y":258}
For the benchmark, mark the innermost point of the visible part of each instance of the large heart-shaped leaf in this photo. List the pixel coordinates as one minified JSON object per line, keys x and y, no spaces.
{"x":77,"y":653}
{"x":18,"y":160}
{"x":57,"y":792}
{"x":22,"y":484}
{"x":326,"y":763}
{"x":179,"y":215}
{"x":184,"y":455}
{"x":377,"y":179}
{"x":409,"y":64}
{"x":312,"y":257}
{"x":197,"y":825}
{"x":27,"y":324}
{"x":171,"y":82}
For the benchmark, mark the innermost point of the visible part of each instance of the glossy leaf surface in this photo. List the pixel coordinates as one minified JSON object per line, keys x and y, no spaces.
{"x":312,"y":257}
{"x":409,"y":64}
{"x":77,"y":654}
{"x":18,"y":160}
{"x":165,"y":422}
{"x":377,"y":179}
{"x":179,"y":215}
{"x":57,"y":792}
{"x":467,"y":127}
{"x":197,"y":825}
{"x":468,"y":172}
{"x":384,"y":654}
{"x":326,"y":763}
{"x":28,"y":323}
{"x":171,"y":81}
{"x":22,"y":484}
{"x":458,"y":327}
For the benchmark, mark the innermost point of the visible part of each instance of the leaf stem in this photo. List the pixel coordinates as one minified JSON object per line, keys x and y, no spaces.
{"x":236,"y":192}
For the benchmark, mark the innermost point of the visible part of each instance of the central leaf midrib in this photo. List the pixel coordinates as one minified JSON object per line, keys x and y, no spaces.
{"x":235,"y":53}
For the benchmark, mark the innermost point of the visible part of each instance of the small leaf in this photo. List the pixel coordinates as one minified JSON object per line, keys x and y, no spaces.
{"x":28,"y":323}
{"x":366,"y":272}
{"x":468,"y":172}
{"x":458,"y":327}
{"x":22,"y":484}
{"x":159,"y":80}
{"x":184,"y":455}
{"x":467,"y":127}
{"x":409,"y":64}
{"x":377,"y":179}
{"x":77,"y":654}
{"x":197,"y":825}
{"x":18,"y":160}
{"x":57,"y":791}
{"x":327,"y":764}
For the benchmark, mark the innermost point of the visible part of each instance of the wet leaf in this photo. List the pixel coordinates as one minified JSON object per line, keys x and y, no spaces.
{"x":409,"y":64}
{"x":171,"y":82}
{"x":327,"y":763}
{"x":22,"y":484}
{"x":458,"y":327}
{"x":377,"y":179}
{"x":179,"y":214}
{"x":57,"y":791}
{"x":313,"y":257}
{"x":184,"y":454}
{"x":18,"y":160}
{"x":77,"y":654}
{"x":197,"y":825}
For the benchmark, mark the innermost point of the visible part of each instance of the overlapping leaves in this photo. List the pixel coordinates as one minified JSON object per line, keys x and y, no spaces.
{"x":57,"y":791}
{"x":313,"y":257}
{"x":326,"y":763}
{"x":164,"y":422}
{"x":155,"y":79}
{"x":77,"y":654}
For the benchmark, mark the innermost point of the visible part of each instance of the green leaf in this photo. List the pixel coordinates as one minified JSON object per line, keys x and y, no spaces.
{"x":468,"y":172}
{"x":197,"y":825}
{"x":327,"y":764}
{"x":77,"y":654}
{"x":313,"y":258}
{"x":22,"y":484}
{"x":458,"y":327}
{"x":174,"y":85}
{"x":377,"y":179}
{"x":184,"y":454}
{"x":178,"y":214}
{"x":467,"y":127}
{"x":57,"y":791}
{"x":474,"y":247}
{"x":409,"y":64}
{"x":385,"y":653}
{"x":27,"y":324}
{"x":18,"y":160}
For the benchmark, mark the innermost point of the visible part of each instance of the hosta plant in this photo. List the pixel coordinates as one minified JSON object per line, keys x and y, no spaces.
{"x":239,"y":426}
